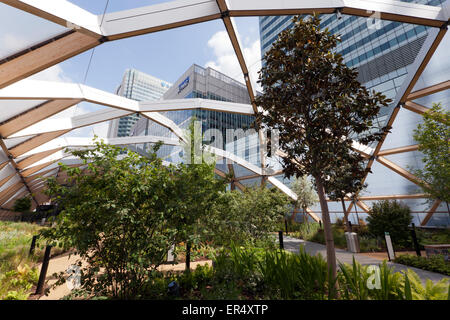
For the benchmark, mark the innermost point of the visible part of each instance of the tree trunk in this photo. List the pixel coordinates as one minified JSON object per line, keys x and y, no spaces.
{"x":293,"y":214}
{"x":347,"y":225}
{"x":331,"y":254}
{"x":188,"y":256}
{"x":448,"y":211}
{"x":356,"y":211}
{"x":305,"y":219}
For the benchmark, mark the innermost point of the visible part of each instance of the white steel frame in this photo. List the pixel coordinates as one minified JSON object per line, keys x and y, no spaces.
{"x":39,"y":137}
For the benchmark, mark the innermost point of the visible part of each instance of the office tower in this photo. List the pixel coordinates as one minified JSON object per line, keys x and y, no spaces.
{"x":138,"y":86}
{"x":206,"y":83}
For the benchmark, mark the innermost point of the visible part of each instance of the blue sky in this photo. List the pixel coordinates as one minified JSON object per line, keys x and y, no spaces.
{"x":165,"y":55}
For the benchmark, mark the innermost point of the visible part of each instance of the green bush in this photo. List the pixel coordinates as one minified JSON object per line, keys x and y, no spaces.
{"x":353,"y":280}
{"x":256,"y":273}
{"x":370,"y":244}
{"x":282,"y":275}
{"x":392,"y":217}
{"x":338,"y":237}
{"x":433,"y":236}
{"x":306,"y":231}
{"x":274,"y":274}
{"x":435,"y":263}
{"x":22,"y":205}
{"x":246,"y":217}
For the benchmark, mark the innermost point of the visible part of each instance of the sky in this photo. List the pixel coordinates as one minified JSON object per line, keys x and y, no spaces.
{"x":165,"y":55}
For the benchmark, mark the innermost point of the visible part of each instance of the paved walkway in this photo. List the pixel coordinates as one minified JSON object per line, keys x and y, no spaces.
{"x":293,"y":245}
{"x":61,"y":263}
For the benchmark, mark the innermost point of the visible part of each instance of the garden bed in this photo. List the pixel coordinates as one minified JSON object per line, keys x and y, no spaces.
{"x":18,"y":272}
{"x":435,"y":263}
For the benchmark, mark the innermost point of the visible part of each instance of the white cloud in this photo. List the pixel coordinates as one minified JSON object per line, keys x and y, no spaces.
{"x":226,"y":61}
{"x":10,"y":44}
{"x":54,"y":73}
{"x":99,"y":129}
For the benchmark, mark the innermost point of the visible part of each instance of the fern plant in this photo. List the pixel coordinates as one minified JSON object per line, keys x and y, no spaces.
{"x":414,"y":289}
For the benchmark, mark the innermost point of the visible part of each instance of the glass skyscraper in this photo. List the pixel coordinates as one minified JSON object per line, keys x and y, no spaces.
{"x":206,"y":83}
{"x":138,"y":86}
{"x":381,"y":51}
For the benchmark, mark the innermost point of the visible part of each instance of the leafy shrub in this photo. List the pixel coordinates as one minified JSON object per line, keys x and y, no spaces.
{"x":338,"y":236}
{"x":123,"y":214}
{"x":414,"y":289}
{"x":435,"y":263}
{"x":22,"y":205}
{"x":306,"y":231}
{"x":246,"y":217}
{"x":198,"y":251}
{"x":255,"y":273}
{"x":16,"y":284}
{"x":274,"y":274}
{"x":339,"y":222}
{"x":370,"y":244}
{"x":433,"y":236}
{"x":194,"y":280}
{"x":353,"y":281}
{"x":117,"y":218}
{"x":392,"y":217}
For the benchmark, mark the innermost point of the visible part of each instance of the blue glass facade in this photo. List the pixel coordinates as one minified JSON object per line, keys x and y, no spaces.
{"x":139,"y":86}
{"x":198,"y":82}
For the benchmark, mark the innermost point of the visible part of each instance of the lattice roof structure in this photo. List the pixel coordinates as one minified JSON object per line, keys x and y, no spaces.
{"x":32,"y":143}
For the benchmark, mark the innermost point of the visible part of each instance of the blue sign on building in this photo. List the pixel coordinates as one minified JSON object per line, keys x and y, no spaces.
{"x":183,"y":85}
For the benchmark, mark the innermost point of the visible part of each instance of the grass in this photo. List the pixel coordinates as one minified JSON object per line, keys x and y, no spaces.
{"x":17,"y":269}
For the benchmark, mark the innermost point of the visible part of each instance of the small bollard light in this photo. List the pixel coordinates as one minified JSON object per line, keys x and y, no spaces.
{"x":33,"y":245}
{"x":173,"y":289}
{"x":414,"y":238}
{"x":280,"y":237}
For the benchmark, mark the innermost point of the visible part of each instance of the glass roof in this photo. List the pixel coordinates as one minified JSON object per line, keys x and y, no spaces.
{"x":21,"y":30}
{"x":12,"y":108}
{"x":436,"y":71}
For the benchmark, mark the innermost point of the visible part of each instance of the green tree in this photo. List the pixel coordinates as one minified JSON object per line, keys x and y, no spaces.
{"x":433,"y":137}
{"x":392,"y":217}
{"x":197,"y":188}
{"x":306,"y":195}
{"x":318,"y":106}
{"x":246,"y":217}
{"x":22,"y":205}
{"x":115,"y":214}
{"x":346,"y":182}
